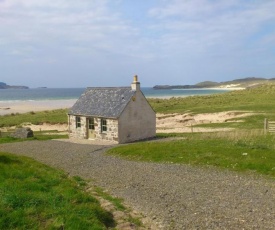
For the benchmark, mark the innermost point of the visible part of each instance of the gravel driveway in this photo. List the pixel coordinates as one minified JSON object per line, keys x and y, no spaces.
{"x":175,"y":196}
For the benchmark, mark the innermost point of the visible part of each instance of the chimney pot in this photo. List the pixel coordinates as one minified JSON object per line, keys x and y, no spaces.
{"x":135,"y":85}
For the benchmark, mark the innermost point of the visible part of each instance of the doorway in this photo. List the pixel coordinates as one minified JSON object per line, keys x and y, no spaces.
{"x":91,"y":128}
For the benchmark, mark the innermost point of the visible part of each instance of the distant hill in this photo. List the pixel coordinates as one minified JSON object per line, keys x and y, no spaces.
{"x":5,"y":86}
{"x":237,"y":83}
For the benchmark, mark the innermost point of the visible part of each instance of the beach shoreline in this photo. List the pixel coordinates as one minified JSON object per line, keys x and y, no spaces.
{"x":13,"y":107}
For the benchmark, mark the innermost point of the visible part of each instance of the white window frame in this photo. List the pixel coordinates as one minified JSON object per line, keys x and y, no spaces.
{"x":78,"y":122}
{"x":103,"y":125}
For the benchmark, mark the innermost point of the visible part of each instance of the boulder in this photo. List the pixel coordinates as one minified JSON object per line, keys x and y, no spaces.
{"x":23,"y":133}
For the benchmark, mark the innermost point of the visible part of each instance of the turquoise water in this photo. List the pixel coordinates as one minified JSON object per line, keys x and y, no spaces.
{"x":74,"y":93}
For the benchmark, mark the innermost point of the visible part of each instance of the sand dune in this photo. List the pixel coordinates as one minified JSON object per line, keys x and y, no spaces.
{"x":166,"y":123}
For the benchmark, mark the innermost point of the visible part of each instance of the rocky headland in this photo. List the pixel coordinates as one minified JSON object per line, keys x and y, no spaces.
{"x":237,"y":83}
{"x":5,"y":86}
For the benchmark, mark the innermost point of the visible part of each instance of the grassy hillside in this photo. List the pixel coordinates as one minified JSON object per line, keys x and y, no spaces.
{"x":260,"y":99}
{"x":243,"y":82}
{"x":34,"y":196}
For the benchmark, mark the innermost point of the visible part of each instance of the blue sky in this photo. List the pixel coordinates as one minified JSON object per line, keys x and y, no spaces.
{"x":68,"y":43}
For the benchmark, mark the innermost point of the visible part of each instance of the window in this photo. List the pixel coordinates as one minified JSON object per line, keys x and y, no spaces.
{"x":78,"y":122}
{"x":103,"y":125}
{"x":91,"y":123}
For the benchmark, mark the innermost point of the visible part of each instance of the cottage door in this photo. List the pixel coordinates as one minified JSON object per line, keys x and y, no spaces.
{"x":91,"y":128}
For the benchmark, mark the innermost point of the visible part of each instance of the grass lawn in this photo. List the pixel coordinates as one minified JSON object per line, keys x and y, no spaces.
{"x":241,"y":151}
{"x":35,"y":196}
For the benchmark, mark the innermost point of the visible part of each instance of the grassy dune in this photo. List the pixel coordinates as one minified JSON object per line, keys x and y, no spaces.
{"x":260,"y":99}
{"x":58,"y":116}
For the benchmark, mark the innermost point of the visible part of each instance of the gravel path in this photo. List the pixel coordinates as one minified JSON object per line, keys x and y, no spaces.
{"x":176,"y":196}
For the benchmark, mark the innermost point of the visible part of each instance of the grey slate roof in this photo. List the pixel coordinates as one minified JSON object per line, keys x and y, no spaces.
{"x":102,"y":102}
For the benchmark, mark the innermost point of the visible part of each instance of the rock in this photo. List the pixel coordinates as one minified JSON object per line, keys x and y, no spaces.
{"x":23,"y":133}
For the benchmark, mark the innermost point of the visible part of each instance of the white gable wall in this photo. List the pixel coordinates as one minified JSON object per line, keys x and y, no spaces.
{"x":137,"y":121}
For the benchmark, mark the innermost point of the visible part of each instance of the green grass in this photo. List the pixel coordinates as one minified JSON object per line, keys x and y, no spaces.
{"x":260,"y":99}
{"x":35,"y":196}
{"x":36,"y":118}
{"x":249,"y":122}
{"x":241,"y":151}
{"x":41,"y":136}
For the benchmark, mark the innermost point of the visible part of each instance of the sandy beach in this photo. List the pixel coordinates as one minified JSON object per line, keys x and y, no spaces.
{"x":8,"y":107}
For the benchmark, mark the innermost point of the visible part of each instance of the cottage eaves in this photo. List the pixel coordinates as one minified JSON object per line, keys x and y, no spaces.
{"x":106,"y":102}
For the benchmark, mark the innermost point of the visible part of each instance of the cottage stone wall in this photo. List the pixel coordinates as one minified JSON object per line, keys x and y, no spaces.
{"x":82,"y":132}
{"x":77,"y":132}
{"x":137,"y":121}
{"x":112,"y":130}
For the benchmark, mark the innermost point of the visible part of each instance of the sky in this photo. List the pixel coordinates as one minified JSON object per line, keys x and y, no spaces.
{"x":69,"y":43}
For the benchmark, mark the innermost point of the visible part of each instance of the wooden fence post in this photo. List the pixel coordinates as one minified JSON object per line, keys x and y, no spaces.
{"x":265,"y":125}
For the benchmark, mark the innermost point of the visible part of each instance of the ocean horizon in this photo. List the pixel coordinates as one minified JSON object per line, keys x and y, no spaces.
{"x":37,"y":94}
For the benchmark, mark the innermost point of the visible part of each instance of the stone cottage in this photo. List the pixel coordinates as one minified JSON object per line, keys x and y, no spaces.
{"x":119,"y":114}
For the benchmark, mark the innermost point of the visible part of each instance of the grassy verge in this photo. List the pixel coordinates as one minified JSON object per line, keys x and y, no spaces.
{"x":241,"y":151}
{"x":115,"y":201}
{"x":34,"y":196}
{"x":36,"y":118}
{"x":41,"y":136}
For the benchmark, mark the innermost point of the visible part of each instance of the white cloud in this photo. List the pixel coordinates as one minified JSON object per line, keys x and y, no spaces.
{"x":201,"y":24}
{"x":59,"y":22}
{"x":168,"y":36}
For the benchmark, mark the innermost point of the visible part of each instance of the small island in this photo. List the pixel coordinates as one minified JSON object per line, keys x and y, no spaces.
{"x":5,"y":86}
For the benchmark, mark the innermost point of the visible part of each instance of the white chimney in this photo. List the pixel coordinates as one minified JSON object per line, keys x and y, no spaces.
{"x":135,"y":85}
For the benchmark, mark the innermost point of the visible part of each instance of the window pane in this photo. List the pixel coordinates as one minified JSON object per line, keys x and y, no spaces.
{"x":78,"y":122}
{"x":103,"y":125}
{"x":91,"y":123}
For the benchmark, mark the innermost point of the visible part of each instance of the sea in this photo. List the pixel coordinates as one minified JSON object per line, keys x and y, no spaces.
{"x":38,"y":94}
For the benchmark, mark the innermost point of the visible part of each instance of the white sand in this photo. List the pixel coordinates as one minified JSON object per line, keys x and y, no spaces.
{"x":8,"y":107}
{"x":181,"y":123}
